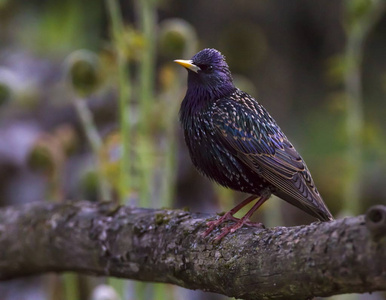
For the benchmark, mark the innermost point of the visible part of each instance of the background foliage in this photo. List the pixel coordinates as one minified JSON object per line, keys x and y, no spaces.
{"x":89,"y":101}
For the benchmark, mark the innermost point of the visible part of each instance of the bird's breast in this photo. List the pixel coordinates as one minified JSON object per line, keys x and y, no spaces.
{"x":213,"y":159}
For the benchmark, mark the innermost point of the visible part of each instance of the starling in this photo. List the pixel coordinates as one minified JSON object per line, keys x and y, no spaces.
{"x":233,"y":140}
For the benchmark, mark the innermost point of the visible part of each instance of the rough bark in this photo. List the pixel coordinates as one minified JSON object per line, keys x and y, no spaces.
{"x":321,"y":259}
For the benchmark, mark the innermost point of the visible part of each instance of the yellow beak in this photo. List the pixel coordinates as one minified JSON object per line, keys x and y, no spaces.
{"x":188,"y":64}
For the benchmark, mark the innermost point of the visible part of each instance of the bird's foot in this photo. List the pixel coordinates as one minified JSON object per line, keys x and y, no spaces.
{"x":240,"y":223}
{"x":213,"y":224}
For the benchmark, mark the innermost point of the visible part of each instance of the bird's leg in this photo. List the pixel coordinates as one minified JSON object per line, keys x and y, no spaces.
{"x":244,"y":220}
{"x":228,"y":216}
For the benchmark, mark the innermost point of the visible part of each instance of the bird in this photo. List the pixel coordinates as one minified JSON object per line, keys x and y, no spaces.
{"x":234,"y":141}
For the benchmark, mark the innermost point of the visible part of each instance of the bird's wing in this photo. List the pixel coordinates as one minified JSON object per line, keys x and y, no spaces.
{"x":257,"y":140}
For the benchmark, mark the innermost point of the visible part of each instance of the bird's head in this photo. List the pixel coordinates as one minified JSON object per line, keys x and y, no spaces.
{"x":208,"y":75}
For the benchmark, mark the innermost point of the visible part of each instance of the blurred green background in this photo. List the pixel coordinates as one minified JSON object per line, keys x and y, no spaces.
{"x":89,"y":100}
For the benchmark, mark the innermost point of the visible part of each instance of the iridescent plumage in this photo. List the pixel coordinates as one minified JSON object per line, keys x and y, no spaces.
{"x":233,"y":140}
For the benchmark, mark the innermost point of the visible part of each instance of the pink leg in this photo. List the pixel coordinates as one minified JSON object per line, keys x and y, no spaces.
{"x":244,"y":220}
{"x":228,"y":216}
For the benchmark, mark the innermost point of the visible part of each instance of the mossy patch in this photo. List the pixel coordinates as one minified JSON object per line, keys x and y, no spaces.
{"x":162,"y":219}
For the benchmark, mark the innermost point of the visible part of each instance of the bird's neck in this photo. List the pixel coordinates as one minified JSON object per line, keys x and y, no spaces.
{"x":200,"y":95}
{"x":191,"y":106}
{"x":199,"y":98}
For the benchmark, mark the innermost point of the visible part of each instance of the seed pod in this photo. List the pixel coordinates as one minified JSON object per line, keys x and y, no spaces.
{"x":177,"y":38}
{"x":83,"y":72}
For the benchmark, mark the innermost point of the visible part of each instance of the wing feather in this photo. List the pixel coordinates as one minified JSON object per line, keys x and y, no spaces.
{"x":259,"y":142}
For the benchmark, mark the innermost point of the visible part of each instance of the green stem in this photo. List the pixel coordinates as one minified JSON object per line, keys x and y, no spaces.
{"x":124,"y":110}
{"x":146,"y":12}
{"x":356,"y":37}
{"x":117,"y":29}
{"x":354,"y":124}
{"x":170,"y":149}
{"x":95,"y":143}
{"x":115,"y":18}
{"x":169,"y":170}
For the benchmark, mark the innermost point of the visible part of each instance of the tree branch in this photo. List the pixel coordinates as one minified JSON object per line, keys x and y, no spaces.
{"x":321,"y":259}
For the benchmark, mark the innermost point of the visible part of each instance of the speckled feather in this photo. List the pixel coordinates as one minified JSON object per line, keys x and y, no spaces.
{"x":233,"y":140}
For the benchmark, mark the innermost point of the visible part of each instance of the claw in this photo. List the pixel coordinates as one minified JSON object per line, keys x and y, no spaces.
{"x":213,"y":224}
{"x":237,"y":226}
{"x":239,"y":222}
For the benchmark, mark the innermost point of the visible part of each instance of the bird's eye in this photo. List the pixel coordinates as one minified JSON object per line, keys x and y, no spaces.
{"x":206,"y":68}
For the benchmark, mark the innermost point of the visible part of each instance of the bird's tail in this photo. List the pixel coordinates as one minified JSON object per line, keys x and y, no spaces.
{"x":320,"y":211}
